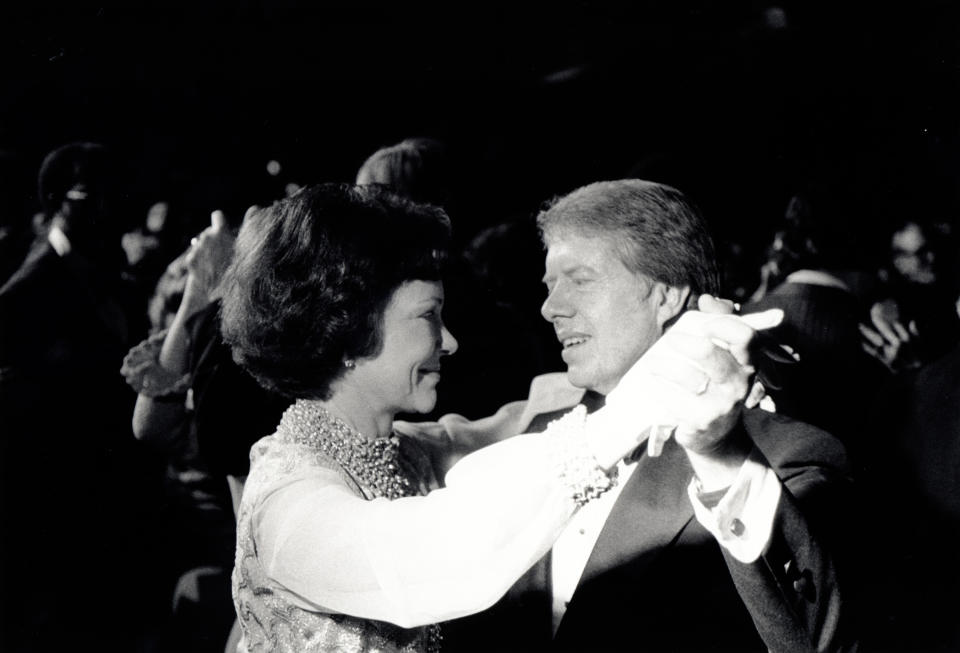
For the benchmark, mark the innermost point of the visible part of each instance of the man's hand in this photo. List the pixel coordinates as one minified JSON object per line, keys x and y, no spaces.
{"x":695,"y":380}
{"x":712,"y":365}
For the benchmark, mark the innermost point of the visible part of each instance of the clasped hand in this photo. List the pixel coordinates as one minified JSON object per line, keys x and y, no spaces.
{"x":694,"y":381}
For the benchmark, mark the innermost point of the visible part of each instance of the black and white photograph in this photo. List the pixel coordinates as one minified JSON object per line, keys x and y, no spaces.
{"x":461,"y":327}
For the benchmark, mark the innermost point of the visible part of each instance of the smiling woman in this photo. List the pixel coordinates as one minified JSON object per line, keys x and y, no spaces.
{"x":313,"y":277}
{"x":345,"y":541}
{"x":403,"y":377}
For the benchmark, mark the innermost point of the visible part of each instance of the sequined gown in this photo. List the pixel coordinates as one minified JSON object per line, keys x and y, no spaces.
{"x":271,"y":617}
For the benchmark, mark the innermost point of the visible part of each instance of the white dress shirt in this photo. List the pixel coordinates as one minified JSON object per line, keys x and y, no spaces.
{"x":572,"y":549}
{"x":59,"y":241}
{"x":741,"y":522}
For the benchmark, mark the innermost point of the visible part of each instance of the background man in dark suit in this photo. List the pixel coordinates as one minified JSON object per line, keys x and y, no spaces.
{"x":74,"y":495}
{"x":726,"y":540}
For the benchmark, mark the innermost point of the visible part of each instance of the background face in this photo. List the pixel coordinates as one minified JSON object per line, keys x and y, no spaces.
{"x":605,"y":315}
{"x":912,"y":255}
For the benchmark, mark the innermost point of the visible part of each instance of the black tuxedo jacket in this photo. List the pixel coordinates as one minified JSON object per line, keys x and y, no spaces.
{"x":658,"y":581}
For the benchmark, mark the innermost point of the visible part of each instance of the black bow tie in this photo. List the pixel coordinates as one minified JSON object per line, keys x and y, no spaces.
{"x":593,"y":400}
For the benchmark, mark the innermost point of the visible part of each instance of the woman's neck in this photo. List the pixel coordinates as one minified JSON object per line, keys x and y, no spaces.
{"x":357,"y":412}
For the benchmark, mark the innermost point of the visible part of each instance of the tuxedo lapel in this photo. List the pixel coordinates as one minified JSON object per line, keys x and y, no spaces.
{"x":648,"y":515}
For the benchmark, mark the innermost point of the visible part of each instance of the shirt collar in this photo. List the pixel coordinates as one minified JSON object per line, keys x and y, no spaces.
{"x":816,"y":278}
{"x":59,"y":241}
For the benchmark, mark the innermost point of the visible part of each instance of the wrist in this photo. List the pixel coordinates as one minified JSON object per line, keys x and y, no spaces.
{"x":611,"y":438}
{"x":195,"y":296}
{"x":143,"y":371}
{"x":718,"y":467}
{"x":578,"y":469}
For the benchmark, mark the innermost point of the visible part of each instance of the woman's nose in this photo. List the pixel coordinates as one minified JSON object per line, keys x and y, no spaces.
{"x":448,"y":344}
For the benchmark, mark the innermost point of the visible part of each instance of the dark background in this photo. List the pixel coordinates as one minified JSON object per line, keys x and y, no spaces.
{"x":738,"y":103}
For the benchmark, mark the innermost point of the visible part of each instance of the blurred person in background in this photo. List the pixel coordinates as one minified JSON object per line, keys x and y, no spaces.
{"x":16,"y":228}
{"x":914,"y":472}
{"x":202,"y":411}
{"x":418,"y":168}
{"x":815,"y":275}
{"x":915,"y":320}
{"x":150,"y":246}
{"x":77,"y":494}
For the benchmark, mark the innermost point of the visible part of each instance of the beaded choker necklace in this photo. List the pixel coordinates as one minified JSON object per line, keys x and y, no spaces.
{"x":372,"y":462}
{"x":375,"y":463}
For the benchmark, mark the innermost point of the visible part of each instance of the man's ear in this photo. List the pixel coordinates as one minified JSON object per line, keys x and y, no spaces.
{"x":671,"y":302}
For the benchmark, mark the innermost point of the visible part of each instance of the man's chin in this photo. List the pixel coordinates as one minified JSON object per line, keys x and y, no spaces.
{"x":579,"y":378}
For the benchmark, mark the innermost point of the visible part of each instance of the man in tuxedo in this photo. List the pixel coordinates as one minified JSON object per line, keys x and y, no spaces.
{"x":727,"y":538}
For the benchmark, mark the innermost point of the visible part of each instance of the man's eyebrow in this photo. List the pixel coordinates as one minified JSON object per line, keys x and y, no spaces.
{"x":573,"y":269}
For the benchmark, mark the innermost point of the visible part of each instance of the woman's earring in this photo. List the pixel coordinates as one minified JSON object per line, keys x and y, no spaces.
{"x":349,"y":364}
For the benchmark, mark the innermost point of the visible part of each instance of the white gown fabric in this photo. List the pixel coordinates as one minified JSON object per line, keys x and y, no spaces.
{"x":322,"y":566}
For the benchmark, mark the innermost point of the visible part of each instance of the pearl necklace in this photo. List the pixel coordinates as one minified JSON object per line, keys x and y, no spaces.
{"x":375,"y":463}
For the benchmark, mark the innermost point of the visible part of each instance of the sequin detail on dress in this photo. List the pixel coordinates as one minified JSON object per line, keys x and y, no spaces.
{"x":308,"y":435}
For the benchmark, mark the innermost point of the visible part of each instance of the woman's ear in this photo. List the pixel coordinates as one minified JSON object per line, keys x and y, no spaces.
{"x":671,"y":302}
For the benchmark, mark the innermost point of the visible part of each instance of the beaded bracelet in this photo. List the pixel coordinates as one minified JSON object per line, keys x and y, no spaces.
{"x":143,"y":372}
{"x":577,"y":469}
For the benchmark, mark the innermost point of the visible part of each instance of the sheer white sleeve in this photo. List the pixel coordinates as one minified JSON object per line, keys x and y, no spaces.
{"x":414,"y":560}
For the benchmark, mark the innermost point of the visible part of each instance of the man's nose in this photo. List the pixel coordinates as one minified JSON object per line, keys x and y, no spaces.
{"x":556,"y":304}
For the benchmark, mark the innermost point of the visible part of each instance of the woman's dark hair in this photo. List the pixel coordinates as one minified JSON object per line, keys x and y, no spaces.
{"x":311,"y":278}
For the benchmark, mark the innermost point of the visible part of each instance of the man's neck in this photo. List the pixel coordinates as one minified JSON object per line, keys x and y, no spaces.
{"x":593,"y":400}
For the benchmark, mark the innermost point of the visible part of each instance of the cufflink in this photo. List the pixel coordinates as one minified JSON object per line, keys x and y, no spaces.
{"x":803,"y":585}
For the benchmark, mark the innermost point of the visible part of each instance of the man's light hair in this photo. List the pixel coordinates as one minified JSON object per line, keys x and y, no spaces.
{"x":654,"y":228}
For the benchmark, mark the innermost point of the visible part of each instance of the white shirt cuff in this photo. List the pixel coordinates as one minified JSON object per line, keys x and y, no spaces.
{"x":743,"y":519}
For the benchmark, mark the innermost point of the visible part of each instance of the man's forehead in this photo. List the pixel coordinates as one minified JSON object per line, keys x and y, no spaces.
{"x":590,"y":248}
{"x":597,"y":254}
{"x":578,"y":242}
